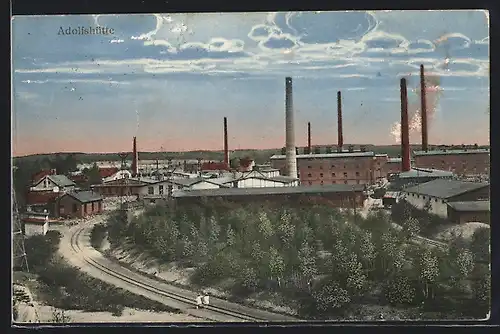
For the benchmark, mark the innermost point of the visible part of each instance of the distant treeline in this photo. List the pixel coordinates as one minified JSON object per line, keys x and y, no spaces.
{"x":260,"y":156}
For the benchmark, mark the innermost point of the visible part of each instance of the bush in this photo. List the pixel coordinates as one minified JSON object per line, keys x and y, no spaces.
{"x":97,"y":235}
{"x":40,"y":249}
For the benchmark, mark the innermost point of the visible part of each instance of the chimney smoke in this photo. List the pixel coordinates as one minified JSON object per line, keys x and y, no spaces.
{"x":309,"y":147}
{"x":405,"y":133}
{"x":226,"y":146}
{"x":423,"y":107}
{"x":339,"y":122}
{"x":135,"y":158}
{"x":291,"y":154}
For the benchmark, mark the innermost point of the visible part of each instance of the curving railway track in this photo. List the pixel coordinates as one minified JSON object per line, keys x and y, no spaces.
{"x":104,"y":269}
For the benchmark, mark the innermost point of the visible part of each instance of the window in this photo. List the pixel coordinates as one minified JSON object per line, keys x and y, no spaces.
{"x":357,"y":166}
{"x":320,"y":167}
{"x":308,"y":166}
{"x":333,"y":182}
{"x":321,"y":175}
{"x":309,"y":175}
{"x":345,"y":167}
{"x":357,"y":181}
{"x":151,"y":190}
{"x":345,"y":174}
{"x":321,"y":182}
{"x":160,"y":188}
{"x":357,"y":173}
{"x":333,"y":174}
{"x":310,"y":183}
{"x":333,"y":166}
{"x":75,"y":207}
{"x":345,"y":182}
{"x":93,"y":207}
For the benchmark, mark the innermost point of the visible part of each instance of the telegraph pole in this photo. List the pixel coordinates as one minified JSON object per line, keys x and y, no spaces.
{"x":18,"y":249}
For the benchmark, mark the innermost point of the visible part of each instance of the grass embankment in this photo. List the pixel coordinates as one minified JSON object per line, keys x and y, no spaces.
{"x":323,"y":263}
{"x":63,"y":286}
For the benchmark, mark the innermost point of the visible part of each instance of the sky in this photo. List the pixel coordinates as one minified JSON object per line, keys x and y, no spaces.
{"x":169,"y":79}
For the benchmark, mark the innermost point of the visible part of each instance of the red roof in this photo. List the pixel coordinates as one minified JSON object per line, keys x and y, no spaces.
{"x":40,"y":197}
{"x":107,"y":171}
{"x":214,"y":166}
{"x":41,"y":174}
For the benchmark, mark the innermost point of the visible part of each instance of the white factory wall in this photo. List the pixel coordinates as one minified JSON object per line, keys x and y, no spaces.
{"x":35,"y":228}
{"x":146,"y":190}
{"x":258,"y":183}
{"x":437,"y":206}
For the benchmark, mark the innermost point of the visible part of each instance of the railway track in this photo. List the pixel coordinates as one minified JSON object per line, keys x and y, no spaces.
{"x":214,"y":311}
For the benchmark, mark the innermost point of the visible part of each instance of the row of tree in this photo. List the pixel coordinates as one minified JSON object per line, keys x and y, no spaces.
{"x":321,"y":259}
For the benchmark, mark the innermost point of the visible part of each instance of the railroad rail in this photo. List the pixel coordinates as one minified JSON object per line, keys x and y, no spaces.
{"x":212,"y":311}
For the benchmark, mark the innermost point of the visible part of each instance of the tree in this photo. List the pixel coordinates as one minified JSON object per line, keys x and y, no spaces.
{"x":286,"y":229}
{"x":265,"y":225}
{"x":428,"y":271}
{"x":356,"y":279}
{"x":398,"y":290}
{"x":411,"y":227}
{"x":276,"y":263}
{"x":307,"y":261}
{"x":214,"y":231}
{"x":367,"y":249}
{"x":465,"y":262}
{"x":480,"y":244}
{"x":330,"y":297}
{"x":249,"y":279}
{"x":230,"y":236}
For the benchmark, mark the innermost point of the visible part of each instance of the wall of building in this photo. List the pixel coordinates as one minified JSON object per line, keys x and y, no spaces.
{"x":258,"y":183}
{"x":70,"y":207}
{"x":35,"y":228}
{"x":461,"y":217}
{"x":326,"y":171}
{"x":436,"y":206}
{"x":460,"y":164}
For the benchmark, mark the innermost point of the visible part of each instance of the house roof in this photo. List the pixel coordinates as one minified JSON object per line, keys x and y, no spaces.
{"x":327,"y":155}
{"x":40,"y":197}
{"x":61,"y":180}
{"x":85,"y":196}
{"x":283,"y":179}
{"x":425,"y":172}
{"x":452,"y":152}
{"x":334,"y":188}
{"x":41,"y":174}
{"x":470,"y":206}
{"x":442,"y":188}
{"x":107,"y":171}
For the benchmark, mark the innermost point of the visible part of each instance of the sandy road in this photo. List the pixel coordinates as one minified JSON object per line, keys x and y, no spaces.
{"x":75,"y":247}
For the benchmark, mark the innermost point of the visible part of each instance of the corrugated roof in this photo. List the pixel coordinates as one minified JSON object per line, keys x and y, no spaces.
{"x":107,"y":171}
{"x":451,"y":152}
{"x":444,"y":189}
{"x":425,"y":172}
{"x":394,"y":160}
{"x":85,"y":196}
{"x":61,"y":180}
{"x":327,"y":155}
{"x":470,"y":206}
{"x":335,"y":188}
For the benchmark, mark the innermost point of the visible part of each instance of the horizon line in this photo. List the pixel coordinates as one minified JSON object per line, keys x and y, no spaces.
{"x":234,"y":150}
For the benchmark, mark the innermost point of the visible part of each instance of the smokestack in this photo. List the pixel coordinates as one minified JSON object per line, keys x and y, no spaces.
{"x":405,"y":133}
{"x":423,"y":107}
{"x":309,"y":147}
{"x":135,"y":158}
{"x":291,"y":154}
{"x":226,"y":147}
{"x":339,"y":121}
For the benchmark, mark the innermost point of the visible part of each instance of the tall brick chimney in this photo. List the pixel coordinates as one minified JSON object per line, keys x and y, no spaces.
{"x":423,"y":107}
{"x":309,"y":146}
{"x":135,"y":158}
{"x":340,"y":143}
{"x":291,"y":150}
{"x":226,"y":146}
{"x":405,"y":133}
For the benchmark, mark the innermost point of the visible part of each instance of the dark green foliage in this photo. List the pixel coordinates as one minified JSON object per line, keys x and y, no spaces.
{"x":97,"y":235}
{"x":318,"y":258}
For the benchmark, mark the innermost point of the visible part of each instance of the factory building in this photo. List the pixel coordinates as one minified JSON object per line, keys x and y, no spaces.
{"x":340,"y":195}
{"x":463,"y":162}
{"x":332,"y":168}
{"x":434,"y":196}
{"x":417,"y":176}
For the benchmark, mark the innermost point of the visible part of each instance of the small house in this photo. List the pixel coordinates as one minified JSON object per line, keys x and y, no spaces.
{"x":80,"y":204}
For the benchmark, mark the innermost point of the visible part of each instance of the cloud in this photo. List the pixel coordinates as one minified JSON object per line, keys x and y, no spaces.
{"x":261,"y":32}
{"x":278,"y":42}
